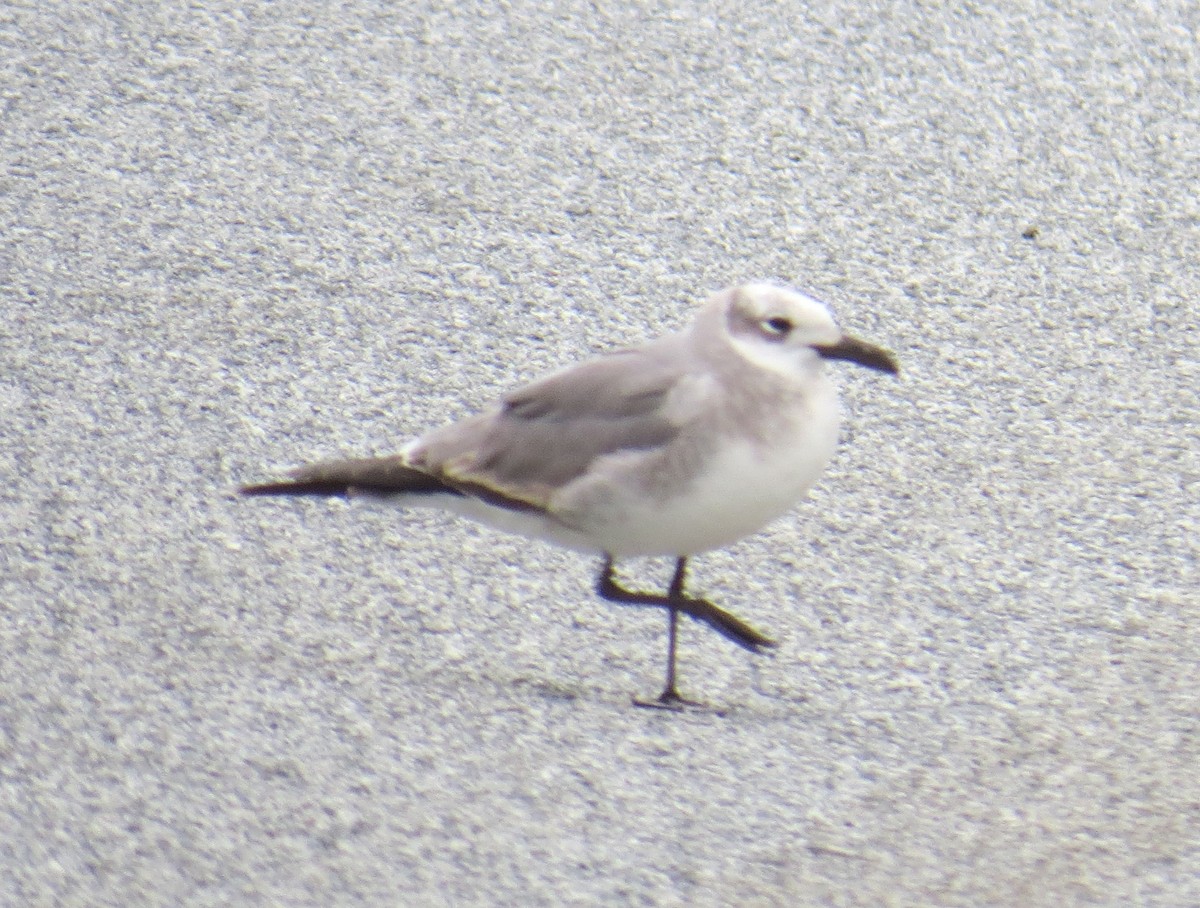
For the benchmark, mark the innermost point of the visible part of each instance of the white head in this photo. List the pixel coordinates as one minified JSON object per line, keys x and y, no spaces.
{"x":790,"y":333}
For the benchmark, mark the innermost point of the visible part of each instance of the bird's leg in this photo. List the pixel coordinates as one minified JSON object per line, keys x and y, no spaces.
{"x":727,"y":625}
{"x":670,"y":695}
{"x":676,"y":601}
{"x":608,"y":588}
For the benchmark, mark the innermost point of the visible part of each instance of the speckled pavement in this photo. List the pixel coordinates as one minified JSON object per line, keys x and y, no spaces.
{"x":238,"y":237}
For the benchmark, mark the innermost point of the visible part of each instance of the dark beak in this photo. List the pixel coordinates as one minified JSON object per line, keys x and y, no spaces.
{"x":859,"y":351}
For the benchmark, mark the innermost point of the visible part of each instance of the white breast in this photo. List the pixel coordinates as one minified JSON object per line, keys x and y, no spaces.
{"x":743,"y":485}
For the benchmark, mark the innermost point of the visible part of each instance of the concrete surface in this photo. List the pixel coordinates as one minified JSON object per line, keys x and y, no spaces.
{"x":238,"y":236}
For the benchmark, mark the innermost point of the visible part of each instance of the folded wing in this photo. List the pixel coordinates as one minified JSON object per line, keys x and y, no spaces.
{"x":547,"y":433}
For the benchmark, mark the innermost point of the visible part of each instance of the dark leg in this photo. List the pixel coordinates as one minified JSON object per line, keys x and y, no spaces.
{"x":670,"y":695}
{"x":675,"y":601}
{"x":729,"y":626}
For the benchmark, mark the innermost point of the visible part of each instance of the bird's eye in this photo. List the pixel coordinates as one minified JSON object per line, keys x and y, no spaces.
{"x":778,"y":326}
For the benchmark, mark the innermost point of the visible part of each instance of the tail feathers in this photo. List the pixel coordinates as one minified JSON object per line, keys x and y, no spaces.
{"x":383,"y":476}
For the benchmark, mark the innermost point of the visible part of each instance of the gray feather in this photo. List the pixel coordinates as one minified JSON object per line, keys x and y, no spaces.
{"x":547,"y":433}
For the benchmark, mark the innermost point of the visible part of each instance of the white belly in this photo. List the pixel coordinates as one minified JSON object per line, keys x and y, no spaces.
{"x":743,"y":486}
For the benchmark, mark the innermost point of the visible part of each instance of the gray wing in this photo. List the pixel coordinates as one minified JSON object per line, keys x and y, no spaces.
{"x":547,"y":433}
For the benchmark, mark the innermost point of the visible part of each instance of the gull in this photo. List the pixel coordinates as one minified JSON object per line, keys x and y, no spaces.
{"x":681,"y":445}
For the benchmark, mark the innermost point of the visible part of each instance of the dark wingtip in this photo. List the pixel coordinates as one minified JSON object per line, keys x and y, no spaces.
{"x":295,"y":488}
{"x":273,"y":488}
{"x":377,"y":476}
